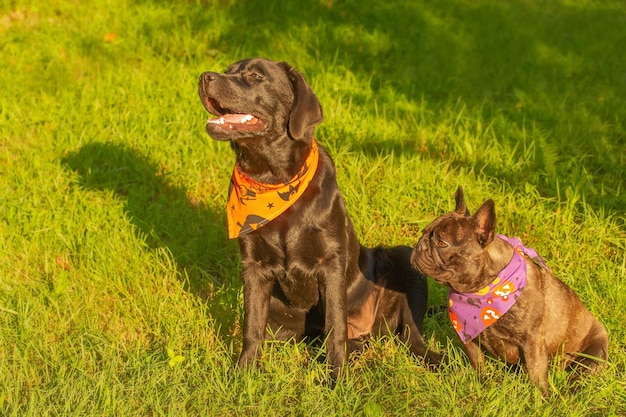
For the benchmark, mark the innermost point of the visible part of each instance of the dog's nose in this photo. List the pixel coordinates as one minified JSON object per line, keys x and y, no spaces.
{"x":207,"y":77}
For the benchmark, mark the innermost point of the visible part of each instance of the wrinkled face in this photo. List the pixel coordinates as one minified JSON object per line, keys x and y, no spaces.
{"x":452,"y":248}
{"x":252,"y":98}
{"x":450,"y":252}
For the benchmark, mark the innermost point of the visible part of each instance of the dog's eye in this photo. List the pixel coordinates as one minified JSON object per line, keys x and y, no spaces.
{"x":256,"y":76}
{"x":442,"y":244}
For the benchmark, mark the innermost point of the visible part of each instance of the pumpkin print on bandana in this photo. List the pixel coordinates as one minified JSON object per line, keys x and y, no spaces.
{"x":252,"y":204}
{"x":472,"y":313}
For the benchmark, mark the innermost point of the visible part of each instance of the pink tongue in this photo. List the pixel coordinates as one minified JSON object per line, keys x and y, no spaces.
{"x":239,"y":118}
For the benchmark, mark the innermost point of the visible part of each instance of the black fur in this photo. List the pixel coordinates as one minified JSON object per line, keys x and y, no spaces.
{"x":305,"y":273}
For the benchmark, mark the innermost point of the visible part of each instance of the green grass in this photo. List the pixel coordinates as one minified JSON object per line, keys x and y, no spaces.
{"x":119,"y":290}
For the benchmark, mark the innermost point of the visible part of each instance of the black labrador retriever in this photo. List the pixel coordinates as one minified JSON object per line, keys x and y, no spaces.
{"x":305,"y":275}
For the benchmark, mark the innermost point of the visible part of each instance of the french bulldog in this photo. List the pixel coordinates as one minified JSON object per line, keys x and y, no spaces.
{"x":504,"y":298}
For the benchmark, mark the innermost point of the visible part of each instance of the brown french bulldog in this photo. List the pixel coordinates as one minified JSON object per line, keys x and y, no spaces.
{"x":505,"y":293}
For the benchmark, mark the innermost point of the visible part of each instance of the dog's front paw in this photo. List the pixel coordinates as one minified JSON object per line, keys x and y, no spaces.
{"x":249,"y":358}
{"x":336,"y":358}
{"x":433,"y":360}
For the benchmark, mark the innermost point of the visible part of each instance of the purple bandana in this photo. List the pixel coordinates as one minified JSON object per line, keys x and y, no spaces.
{"x":472,"y":313}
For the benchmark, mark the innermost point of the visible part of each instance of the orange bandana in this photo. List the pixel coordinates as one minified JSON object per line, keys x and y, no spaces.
{"x":253,"y":204}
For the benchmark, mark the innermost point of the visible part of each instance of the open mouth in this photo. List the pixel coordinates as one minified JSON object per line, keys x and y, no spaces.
{"x":227,"y":119}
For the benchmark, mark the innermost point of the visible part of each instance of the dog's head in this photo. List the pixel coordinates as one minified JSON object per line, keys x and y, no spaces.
{"x":452,"y":248}
{"x":259,"y":98}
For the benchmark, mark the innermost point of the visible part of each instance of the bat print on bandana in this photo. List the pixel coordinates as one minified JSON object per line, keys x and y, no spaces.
{"x":252,"y":204}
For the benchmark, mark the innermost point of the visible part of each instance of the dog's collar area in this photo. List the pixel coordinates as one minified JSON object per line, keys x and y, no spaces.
{"x":472,"y":313}
{"x":252,"y":204}
{"x":524,"y":251}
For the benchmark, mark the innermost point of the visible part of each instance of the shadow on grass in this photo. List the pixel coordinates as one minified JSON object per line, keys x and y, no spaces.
{"x":165,"y":216}
{"x":549,"y":70}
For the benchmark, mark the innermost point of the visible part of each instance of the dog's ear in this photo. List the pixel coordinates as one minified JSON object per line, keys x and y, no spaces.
{"x":306,"y":112}
{"x":485,"y":221}
{"x":459,"y":198}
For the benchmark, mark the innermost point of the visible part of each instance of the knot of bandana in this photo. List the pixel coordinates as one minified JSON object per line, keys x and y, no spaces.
{"x":252,"y":204}
{"x":472,"y":313}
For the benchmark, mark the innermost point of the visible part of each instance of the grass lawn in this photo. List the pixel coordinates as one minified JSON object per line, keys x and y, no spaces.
{"x":119,"y":289}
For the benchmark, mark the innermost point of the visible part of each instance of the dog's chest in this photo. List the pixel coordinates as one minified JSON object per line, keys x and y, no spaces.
{"x":299,"y":288}
{"x":299,"y":264}
{"x":304,"y":248}
{"x":512,"y":331}
{"x":302,"y":278}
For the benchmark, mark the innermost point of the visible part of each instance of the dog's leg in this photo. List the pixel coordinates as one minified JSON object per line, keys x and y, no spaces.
{"x":536,"y":358}
{"x":412,"y":318}
{"x":594,"y":351}
{"x":257,"y":291}
{"x":336,"y":318}
{"x":475,"y":355}
{"x":411,"y":335}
